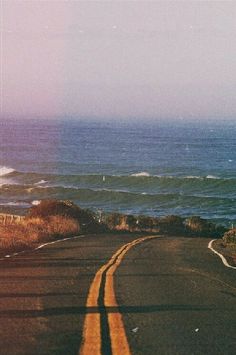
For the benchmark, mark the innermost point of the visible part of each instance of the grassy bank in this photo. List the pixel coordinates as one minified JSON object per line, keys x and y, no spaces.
{"x":33,"y":230}
{"x":48,"y":221}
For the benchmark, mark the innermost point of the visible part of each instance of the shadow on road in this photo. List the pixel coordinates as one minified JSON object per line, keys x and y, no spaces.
{"x":124,"y":309}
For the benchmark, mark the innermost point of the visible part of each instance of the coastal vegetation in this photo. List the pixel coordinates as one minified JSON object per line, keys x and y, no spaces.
{"x":55,"y":219}
{"x":230,"y":237}
{"x":170,"y":225}
{"x":68,"y":210}
{"x":24,"y":234}
{"x":227,"y":245}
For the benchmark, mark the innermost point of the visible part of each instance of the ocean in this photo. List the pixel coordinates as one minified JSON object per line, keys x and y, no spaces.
{"x":146,"y":168}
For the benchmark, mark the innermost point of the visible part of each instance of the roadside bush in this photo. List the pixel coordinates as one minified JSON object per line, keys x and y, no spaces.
{"x":115,"y":221}
{"x":168,"y":224}
{"x":230,"y":237}
{"x":67,"y":209}
{"x":145,"y":222}
{"x":172,"y":224}
{"x":59,"y":208}
{"x":131,"y":222}
{"x":202,"y":227}
{"x":120,"y":222}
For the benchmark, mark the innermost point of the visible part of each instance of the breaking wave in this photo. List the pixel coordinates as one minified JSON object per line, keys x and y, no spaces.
{"x":212,"y":197}
{"x":4,"y":170}
{"x":143,"y":173}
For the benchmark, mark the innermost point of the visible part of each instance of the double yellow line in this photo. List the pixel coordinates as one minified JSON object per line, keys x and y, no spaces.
{"x":104,"y":331}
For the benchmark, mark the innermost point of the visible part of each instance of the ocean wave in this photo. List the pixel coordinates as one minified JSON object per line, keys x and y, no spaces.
{"x":41,"y":182}
{"x":4,"y":170}
{"x":208,"y":185}
{"x":141,"y":174}
{"x":103,"y":193}
{"x":194,"y":177}
{"x":39,"y":178}
{"x":212,"y":177}
{"x":146,"y":201}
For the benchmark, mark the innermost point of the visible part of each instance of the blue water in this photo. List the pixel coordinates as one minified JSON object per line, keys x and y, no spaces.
{"x":140,"y":168}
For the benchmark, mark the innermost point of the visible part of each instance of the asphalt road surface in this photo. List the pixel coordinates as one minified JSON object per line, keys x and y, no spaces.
{"x":118,"y":294}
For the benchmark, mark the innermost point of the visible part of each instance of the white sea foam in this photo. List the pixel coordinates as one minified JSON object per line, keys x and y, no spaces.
{"x":40,"y":182}
{"x":194,"y":177}
{"x":101,"y":189}
{"x":35,"y":202}
{"x":13,"y":203}
{"x":142,"y":173}
{"x":4,"y":170}
{"x":212,"y":177}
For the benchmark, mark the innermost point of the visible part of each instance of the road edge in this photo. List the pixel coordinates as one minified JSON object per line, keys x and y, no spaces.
{"x":40,"y":246}
{"x":223,"y":259}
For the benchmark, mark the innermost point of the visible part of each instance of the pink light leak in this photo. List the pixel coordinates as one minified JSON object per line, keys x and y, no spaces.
{"x":33,"y":56}
{"x":119,"y":59}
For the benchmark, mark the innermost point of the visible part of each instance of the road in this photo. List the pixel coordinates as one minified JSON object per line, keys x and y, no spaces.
{"x":124,"y":294}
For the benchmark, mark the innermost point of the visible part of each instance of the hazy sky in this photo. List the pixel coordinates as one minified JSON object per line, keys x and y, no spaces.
{"x":118,"y":59}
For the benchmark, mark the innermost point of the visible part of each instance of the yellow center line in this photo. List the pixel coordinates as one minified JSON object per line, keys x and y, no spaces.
{"x":92,"y":342}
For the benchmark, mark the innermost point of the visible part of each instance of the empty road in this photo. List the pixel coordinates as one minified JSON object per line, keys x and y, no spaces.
{"x":118,"y":294}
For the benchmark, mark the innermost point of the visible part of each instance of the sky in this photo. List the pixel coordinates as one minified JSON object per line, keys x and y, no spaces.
{"x":118,"y":59}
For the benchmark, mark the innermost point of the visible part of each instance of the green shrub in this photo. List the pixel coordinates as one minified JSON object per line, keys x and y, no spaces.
{"x":145,"y":222}
{"x":131,"y":221}
{"x":115,"y":221}
{"x":202,"y":227}
{"x":172,"y":224}
{"x":230,"y":236}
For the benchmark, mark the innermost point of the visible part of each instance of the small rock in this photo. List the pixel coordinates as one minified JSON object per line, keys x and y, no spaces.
{"x":135,"y":330}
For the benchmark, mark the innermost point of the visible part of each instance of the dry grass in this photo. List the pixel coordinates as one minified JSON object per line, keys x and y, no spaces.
{"x":25,"y":234}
